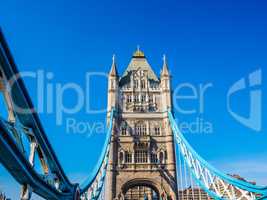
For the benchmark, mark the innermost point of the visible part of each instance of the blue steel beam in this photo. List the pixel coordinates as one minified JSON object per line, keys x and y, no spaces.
{"x":18,"y":166}
{"x":21,"y":99}
{"x":202,"y":170}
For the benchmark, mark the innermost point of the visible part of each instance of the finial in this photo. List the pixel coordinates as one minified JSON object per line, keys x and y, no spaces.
{"x":164,"y":59}
{"x":165,"y":70}
{"x":113,"y":70}
{"x":113,"y":58}
{"x":138,"y":53}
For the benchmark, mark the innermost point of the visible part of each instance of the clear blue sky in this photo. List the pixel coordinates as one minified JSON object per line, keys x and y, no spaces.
{"x":215,"y":42}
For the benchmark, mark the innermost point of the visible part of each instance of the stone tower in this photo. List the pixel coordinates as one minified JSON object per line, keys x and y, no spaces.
{"x":142,"y":155}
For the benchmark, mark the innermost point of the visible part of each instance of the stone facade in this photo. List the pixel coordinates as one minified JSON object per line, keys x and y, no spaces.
{"x":142,"y":160}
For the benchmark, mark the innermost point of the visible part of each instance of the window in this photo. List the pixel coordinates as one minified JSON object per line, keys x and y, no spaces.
{"x":136,"y":98}
{"x":157,"y":130}
{"x":161,"y":158}
{"x":129,"y":98}
{"x":140,"y":129}
{"x":124,"y":131}
{"x":156,"y":100}
{"x":128,"y":157}
{"x":143,"y":98}
{"x":124,"y":128}
{"x":143,"y":84}
{"x":140,"y":156}
{"x":135,"y":84}
{"x":143,"y":132}
{"x":150,"y":99}
{"x":154,"y":158}
{"x":121,"y":157}
{"x":154,"y":85}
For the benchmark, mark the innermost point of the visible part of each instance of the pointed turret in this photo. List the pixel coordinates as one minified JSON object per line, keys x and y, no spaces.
{"x":165,"y":70}
{"x":113,"y":70}
{"x":165,"y":85}
{"x":112,"y":85}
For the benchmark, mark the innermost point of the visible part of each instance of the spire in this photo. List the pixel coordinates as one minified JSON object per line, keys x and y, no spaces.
{"x":165,"y":70}
{"x":113,"y":70}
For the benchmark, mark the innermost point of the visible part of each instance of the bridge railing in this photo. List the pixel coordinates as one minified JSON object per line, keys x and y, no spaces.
{"x":217,"y":184}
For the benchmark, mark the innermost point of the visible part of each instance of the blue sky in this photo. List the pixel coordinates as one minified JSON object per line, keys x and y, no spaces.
{"x":205,"y":42}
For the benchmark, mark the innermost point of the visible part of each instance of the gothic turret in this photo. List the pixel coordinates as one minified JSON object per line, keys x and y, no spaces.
{"x":113,"y":69}
{"x":112,"y":85}
{"x":165,"y":85}
{"x":165,"y":70}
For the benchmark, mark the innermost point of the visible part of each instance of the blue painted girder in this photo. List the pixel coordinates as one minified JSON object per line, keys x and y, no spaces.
{"x":21,"y":98}
{"x":14,"y":160}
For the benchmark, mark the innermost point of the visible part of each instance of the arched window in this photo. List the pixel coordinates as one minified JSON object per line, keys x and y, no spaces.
{"x":135,"y":84}
{"x":128,"y":157}
{"x":136,"y":98}
{"x":153,"y":157}
{"x":140,"y":129}
{"x":124,"y":131}
{"x":143,"y":98}
{"x":143,"y":84}
{"x":161,"y":158}
{"x":150,"y":99}
{"x":129,"y":98}
{"x":157,"y":130}
{"x":121,"y":157}
{"x":124,"y":128}
{"x":143,"y":132}
{"x":141,"y":153}
{"x":140,"y":156}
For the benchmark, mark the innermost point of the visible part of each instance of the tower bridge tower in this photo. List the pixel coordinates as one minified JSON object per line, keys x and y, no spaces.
{"x":142,"y":155}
